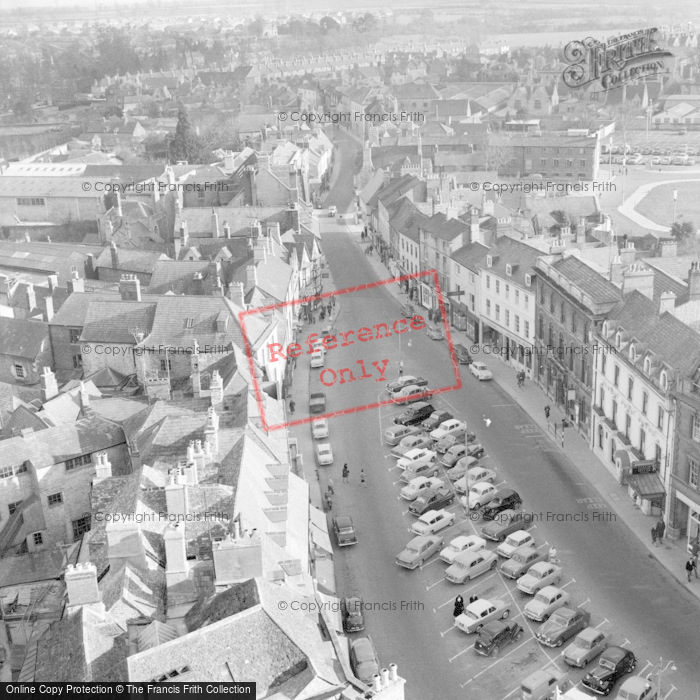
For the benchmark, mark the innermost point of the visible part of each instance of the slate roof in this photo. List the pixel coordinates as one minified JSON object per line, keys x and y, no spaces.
{"x":446,"y":229}
{"x":472,"y":256}
{"x":177,"y":276}
{"x":671,"y":340}
{"x":131,"y":260}
{"x":407,"y":219}
{"x":522,"y":258}
{"x":20,"y":338}
{"x":44,"y":565}
{"x":46,"y":258}
{"x":113,"y":321}
{"x":597,"y":287}
{"x":75,"y":307}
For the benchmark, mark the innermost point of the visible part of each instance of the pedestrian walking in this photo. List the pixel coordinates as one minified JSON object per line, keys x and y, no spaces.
{"x":547,"y":409}
{"x":362,"y":478}
{"x":690,"y":566}
{"x":660,"y":531}
{"x":331,"y":490}
{"x":473,"y":599}
{"x":292,"y":406}
{"x":328,"y":308}
{"x":333,"y":302}
{"x":459,"y":606}
{"x":653,"y":535}
{"x":346,"y":473}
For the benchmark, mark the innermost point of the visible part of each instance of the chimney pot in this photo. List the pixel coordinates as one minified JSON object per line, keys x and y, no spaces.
{"x":393,"y":672}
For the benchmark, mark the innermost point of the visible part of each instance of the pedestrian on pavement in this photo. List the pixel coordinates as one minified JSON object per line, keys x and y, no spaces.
{"x":459,"y":606}
{"x":401,"y":368}
{"x":563,"y":425}
{"x":473,"y":599}
{"x":346,"y":473}
{"x":323,"y":314}
{"x":547,"y":409}
{"x":333,"y":302}
{"x":331,"y":490}
{"x":690,"y":566}
{"x":660,"y":531}
{"x":362,"y":478}
{"x":328,"y":308}
{"x":292,"y":406}
{"x":653,"y":535}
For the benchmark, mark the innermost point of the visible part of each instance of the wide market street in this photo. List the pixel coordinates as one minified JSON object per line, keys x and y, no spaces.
{"x":606,"y":569}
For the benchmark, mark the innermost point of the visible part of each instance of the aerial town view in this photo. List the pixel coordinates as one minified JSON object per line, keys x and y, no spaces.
{"x":350,"y":351}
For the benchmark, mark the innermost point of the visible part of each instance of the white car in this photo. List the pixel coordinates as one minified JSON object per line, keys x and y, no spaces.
{"x":539,"y":576}
{"x":318,"y":346}
{"x":414,"y":457}
{"x":549,"y":599}
{"x":433,"y":521}
{"x":319,"y":429}
{"x":449,"y":427}
{"x":481,"y":611}
{"x":520,"y":538}
{"x":463,"y":543}
{"x":421,"y":483}
{"x":480,"y":494}
{"x":480,"y":371}
{"x":474,"y":476}
{"x":324,"y":454}
{"x":317,"y":360}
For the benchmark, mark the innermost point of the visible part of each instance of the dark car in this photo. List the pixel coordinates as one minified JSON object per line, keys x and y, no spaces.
{"x":432,"y":499}
{"x":613,"y":663}
{"x":462,"y":355}
{"x":406,"y":380}
{"x":435,"y":418}
{"x":415,"y":414}
{"x":351,"y":611}
{"x":344,"y":530}
{"x":508,"y":522}
{"x":562,"y":625}
{"x":493,"y":636}
{"x":505,"y":499}
{"x":363,"y":659}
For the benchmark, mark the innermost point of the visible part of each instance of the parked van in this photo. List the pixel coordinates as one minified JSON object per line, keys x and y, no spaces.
{"x":541,"y":685}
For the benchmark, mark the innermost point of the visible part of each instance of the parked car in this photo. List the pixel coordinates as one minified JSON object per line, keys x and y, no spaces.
{"x":505,"y":499}
{"x":352,"y":614}
{"x":665,"y":161}
{"x":461,"y":468}
{"x":538,"y":576}
{"x":411,"y":442}
{"x":451,"y":456}
{"x":363,"y":659}
{"x":396,"y":433}
{"x":449,"y":427}
{"x":476,"y":450}
{"x":463,"y":543}
{"x":541,"y":685}
{"x":480,"y":371}
{"x":613,"y":663}
{"x":562,"y":626}
{"x":637,"y":688}
{"x":521,"y":560}
{"x":656,"y":160}
{"x":462,"y":355}
{"x":444,"y":443}
{"x":344,"y":530}
{"x":434,"y":499}
{"x":493,"y":636}
{"x":433,"y":521}
{"x":407,"y":311}
{"x":520,"y":538}
{"x":411,"y":394}
{"x":319,"y":428}
{"x":419,"y":461}
{"x":418,"y":551}
{"x":474,"y":476}
{"x":508,"y":521}
{"x":434,"y":333}
{"x":435,"y":418}
{"x":481,"y":611}
{"x":468,"y":565}
{"x":417,"y":486}
{"x":549,"y":599}
{"x":405,"y":380}
{"x":480,"y":494}
{"x":324,"y":454}
{"x":317,"y":360}
{"x":587,"y":644}
{"x":415,"y":414}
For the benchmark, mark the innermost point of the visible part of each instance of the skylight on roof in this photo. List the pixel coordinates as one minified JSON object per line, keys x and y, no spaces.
{"x":189,"y":323}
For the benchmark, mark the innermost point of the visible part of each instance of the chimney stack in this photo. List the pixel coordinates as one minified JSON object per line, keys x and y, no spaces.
{"x":81,"y":584}
{"x":176,"y":565}
{"x":669,"y":249}
{"x":260,"y":252}
{"x":616,"y":271}
{"x":75,"y":283}
{"x":211,"y":429}
{"x":184,"y":234}
{"x":114,"y":251}
{"x":215,"y":231}
{"x":227,"y":230}
{"x":103,"y":467}
{"x":251,"y":276}
{"x":85,"y":408}
{"x":474,"y":230}
{"x":236,"y":294}
{"x":237,"y":559}
{"x":130,"y":288}
{"x":48,"y":308}
{"x":694,"y":281}
{"x":639,"y":277}
{"x":177,"y":496}
{"x":217,"y":390}
{"x":31,"y":297}
{"x":49,"y":385}
{"x":53,"y":282}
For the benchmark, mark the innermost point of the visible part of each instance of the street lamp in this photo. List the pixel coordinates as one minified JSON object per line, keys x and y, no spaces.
{"x":658,"y":672}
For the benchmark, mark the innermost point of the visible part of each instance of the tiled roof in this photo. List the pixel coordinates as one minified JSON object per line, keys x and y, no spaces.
{"x":472,"y":256}
{"x":176,"y":276}
{"x":131,"y":260}
{"x":115,"y":321}
{"x":446,"y":229}
{"x":666,"y":336}
{"x":20,"y":338}
{"x":407,"y":219}
{"x":46,"y":258}
{"x":43,"y":565}
{"x":591,"y":283}
{"x":520,"y":256}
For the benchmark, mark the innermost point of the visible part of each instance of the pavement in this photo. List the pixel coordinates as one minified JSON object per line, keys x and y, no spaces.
{"x":671,"y":554}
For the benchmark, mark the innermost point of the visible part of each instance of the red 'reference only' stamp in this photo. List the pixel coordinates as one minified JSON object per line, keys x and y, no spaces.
{"x":333,"y":353}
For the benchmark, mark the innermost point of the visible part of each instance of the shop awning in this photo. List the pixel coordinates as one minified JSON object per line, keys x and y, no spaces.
{"x":319,"y":530}
{"x":647,"y":486}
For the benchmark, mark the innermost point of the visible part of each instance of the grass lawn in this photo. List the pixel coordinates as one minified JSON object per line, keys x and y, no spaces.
{"x":658,"y":204}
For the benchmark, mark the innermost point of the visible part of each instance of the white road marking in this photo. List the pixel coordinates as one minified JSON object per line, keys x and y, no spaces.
{"x":488,"y":668}
{"x":461,"y":652}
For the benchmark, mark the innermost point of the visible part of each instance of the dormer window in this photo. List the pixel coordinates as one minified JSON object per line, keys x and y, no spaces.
{"x":528,"y":280}
{"x":509,"y":270}
{"x":664,"y":380}
{"x":489,"y":261}
{"x":606,"y":328}
{"x":647,"y":365}
{"x":633,"y":354}
{"x":618,"y":340}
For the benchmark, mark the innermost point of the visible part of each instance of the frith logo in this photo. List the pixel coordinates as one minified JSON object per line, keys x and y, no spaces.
{"x":613,"y":63}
